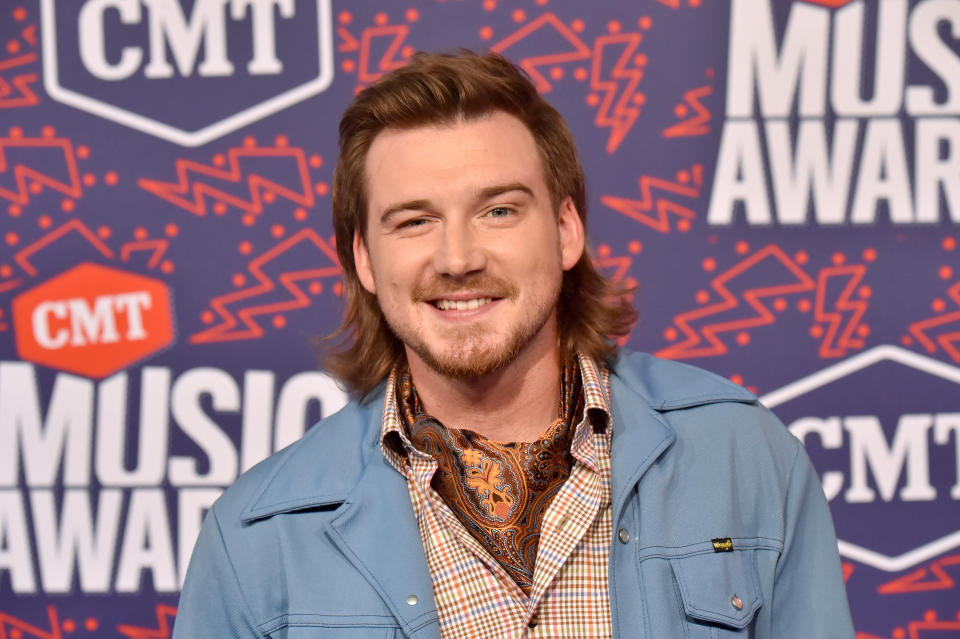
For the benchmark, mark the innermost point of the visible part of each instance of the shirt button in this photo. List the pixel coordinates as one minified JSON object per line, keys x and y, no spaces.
{"x":736,"y":602}
{"x":412,"y":600}
{"x":533,"y":622}
{"x":624,"y":535}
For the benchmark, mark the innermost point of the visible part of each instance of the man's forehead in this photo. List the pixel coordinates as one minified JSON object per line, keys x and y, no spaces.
{"x":463,"y":156}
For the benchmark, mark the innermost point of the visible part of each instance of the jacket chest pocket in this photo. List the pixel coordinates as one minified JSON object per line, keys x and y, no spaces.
{"x":719,"y":594}
{"x":328,"y":632}
{"x":337,"y":633}
{"x":307,"y":626}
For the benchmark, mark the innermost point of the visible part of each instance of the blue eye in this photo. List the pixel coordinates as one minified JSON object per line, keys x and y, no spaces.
{"x":499,"y":211}
{"x":417,"y":221}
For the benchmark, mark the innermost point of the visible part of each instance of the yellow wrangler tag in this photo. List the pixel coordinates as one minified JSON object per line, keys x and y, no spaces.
{"x":722,"y":544}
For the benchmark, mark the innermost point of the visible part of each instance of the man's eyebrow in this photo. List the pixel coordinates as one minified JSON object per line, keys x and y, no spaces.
{"x":411,"y":205}
{"x":489,"y":192}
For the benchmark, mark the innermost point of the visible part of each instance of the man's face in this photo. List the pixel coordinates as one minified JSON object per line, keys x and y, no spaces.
{"x":462,"y":245}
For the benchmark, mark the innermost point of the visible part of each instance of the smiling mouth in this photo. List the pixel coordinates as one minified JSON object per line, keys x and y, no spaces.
{"x":462,"y":305}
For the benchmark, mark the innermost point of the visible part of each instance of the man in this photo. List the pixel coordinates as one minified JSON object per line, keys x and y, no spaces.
{"x":504,"y":472}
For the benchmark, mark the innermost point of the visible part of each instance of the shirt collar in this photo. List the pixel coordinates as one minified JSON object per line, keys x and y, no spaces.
{"x":595,"y":380}
{"x":393,"y":437}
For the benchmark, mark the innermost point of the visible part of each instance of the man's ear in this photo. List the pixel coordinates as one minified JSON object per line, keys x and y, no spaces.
{"x":572,"y":234}
{"x":361,"y":261}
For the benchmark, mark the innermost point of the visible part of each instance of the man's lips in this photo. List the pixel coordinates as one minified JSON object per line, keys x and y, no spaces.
{"x":462,"y":304}
{"x":466,"y":297}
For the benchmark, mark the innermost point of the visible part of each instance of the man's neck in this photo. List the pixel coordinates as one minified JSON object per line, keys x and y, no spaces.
{"x":514,"y":404}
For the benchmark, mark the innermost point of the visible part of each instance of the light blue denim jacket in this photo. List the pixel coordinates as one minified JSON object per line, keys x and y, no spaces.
{"x":320,"y":540}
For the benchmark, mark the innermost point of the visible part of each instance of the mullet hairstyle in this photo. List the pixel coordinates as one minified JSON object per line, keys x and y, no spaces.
{"x":439,"y":89}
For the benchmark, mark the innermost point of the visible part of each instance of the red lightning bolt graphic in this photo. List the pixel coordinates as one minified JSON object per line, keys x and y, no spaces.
{"x":73,"y":226}
{"x":242,"y":325}
{"x":847,"y":569}
{"x":16,"y":92}
{"x":773,"y":264}
{"x":930,"y":624}
{"x":164,"y":615}
{"x":695,"y":124}
{"x":948,"y":340}
{"x":531,"y":64}
{"x":29,"y":34}
{"x":839,"y":337}
{"x":9,"y":285}
{"x":189,"y":192}
{"x":616,"y":109}
{"x":157,"y":248}
{"x":639,"y":210}
{"x":11,"y":626}
{"x":919,"y":580}
{"x":617,"y":267}
{"x":389,"y":60}
{"x":61,"y":154}
{"x":349,"y":42}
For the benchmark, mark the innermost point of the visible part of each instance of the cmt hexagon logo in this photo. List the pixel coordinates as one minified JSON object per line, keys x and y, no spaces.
{"x":93,"y":320}
{"x":187,"y":71}
{"x":883,"y":430}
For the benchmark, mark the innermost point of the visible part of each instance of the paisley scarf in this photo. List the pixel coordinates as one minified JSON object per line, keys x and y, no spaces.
{"x":499,"y":491}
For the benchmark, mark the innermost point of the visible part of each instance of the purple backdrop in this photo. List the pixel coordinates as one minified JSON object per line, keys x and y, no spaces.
{"x":781,"y":181}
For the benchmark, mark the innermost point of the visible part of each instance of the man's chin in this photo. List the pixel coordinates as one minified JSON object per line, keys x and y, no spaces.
{"x":467,"y":369}
{"x":467,"y":363}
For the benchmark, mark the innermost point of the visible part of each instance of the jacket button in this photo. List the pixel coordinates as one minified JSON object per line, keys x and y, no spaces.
{"x":736,"y":602}
{"x":412,"y":600}
{"x":624,"y":535}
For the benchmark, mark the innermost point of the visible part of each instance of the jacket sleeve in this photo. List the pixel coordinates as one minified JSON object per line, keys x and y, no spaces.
{"x":809,"y":595}
{"x":212,"y":603}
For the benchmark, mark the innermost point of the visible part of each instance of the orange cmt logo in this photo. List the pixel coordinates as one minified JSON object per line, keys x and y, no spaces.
{"x":93,"y":320}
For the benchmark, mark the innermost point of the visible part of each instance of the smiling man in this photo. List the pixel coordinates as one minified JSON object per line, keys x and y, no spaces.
{"x":504,"y":471}
{"x":465,"y":250}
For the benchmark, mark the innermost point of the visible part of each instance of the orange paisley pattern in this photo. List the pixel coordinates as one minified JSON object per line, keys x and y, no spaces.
{"x":499,"y":491}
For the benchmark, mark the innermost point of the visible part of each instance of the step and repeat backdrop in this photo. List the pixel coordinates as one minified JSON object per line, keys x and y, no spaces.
{"x":779,"y":180}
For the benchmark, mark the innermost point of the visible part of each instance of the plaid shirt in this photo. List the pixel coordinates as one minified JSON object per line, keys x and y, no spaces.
{"x":475,"y":596}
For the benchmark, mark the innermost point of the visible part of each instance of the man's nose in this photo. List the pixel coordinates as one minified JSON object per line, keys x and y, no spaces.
{"x":460,"y":252}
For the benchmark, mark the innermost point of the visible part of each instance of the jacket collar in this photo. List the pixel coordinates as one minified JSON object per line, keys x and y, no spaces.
{"x":667,"y":385}
{"x":299,"y":479}
{"x":644,"y":387}
{"x":373,"y":525}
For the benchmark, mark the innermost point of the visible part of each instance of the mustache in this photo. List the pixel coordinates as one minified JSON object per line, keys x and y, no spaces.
{"x":485,"y":284}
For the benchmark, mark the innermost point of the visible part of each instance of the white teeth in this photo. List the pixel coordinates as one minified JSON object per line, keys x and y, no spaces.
{"x":462,"y":305}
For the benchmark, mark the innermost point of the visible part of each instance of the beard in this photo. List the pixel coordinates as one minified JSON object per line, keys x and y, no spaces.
{"x":475,"y":351}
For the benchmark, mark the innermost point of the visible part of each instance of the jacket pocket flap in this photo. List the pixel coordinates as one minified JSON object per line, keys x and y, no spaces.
{"x":718,"y":587}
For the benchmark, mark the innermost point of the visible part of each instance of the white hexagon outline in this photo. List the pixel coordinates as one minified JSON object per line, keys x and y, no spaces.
{"x":166,"y":131}
{"x":885,"y":352}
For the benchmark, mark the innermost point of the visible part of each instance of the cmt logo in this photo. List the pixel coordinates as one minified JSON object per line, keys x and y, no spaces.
{"x":188,"y":71}
{"x":93,"y":320}
{"x":883,"y":430}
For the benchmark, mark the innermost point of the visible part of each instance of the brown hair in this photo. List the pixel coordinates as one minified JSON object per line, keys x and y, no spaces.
{"x":443,"y":88}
